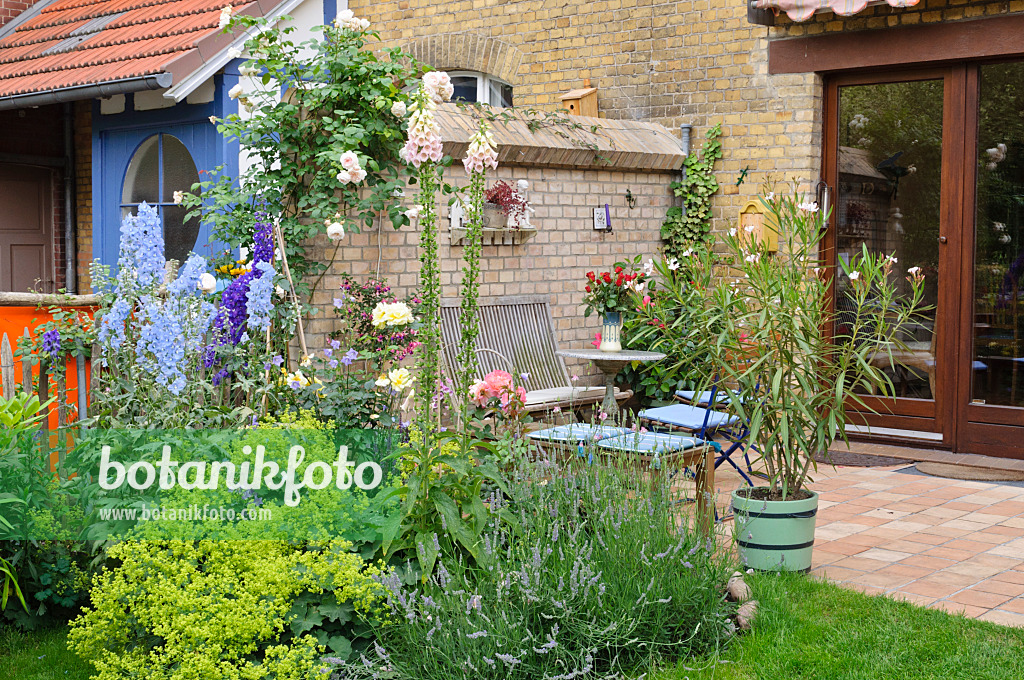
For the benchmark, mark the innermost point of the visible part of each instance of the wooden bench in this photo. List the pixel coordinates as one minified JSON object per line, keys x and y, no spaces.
{"x":517,"y":335}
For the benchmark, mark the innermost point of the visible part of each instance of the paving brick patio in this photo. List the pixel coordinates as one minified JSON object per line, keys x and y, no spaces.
{"x":940,"y":543}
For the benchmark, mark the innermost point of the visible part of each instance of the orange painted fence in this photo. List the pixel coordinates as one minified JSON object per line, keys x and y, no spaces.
{"x":21,"y":314}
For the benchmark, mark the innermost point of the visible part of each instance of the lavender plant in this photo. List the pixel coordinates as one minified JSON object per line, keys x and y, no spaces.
{"x":600,"y":578}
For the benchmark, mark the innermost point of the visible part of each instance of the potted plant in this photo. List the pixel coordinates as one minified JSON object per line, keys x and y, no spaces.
{"x":610,"y":294}
{"x":788,"y":362}
{"x":504,"y":206}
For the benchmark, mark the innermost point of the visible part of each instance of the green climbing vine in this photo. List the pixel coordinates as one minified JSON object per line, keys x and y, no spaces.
{"x":691,"y":223}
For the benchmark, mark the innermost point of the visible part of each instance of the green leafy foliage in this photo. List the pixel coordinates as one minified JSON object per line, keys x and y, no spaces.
{"x":227,"y":609}
{"x":691,"y":223}
{"x":767,"y":330}
{"x":442,"y":510}
{"x":670,"y":322}
{"x":339,"y":94}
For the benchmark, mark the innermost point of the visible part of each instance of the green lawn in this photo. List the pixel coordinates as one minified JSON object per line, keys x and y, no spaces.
{"x":806,"y":629}
{"x":40,"y":655}
{"x":809,"y":629}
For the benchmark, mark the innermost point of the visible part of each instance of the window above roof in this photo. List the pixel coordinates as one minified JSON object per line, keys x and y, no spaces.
{"x":473,"y":86}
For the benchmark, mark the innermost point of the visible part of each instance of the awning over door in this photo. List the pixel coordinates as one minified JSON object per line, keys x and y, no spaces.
{"x":802,"y":10}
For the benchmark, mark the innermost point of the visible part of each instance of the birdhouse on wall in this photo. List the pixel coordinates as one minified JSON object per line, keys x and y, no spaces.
{"x":581,"y":102}
{"x":759,"y":226}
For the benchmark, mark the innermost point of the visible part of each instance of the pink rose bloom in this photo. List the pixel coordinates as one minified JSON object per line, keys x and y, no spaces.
{"x":349,"y":160}
{"x":479,"y":393}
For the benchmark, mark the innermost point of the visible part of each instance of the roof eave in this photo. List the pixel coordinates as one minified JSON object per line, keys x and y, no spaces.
{"x":189,"y":76}
{"x":156,"y":81}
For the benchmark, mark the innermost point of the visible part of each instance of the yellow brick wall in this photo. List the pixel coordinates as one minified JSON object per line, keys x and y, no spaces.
{"x":675,"y":63}
{"x":553,"y":263}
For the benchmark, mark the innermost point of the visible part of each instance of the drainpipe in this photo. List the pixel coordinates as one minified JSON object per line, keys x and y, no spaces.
{"x":70,"y":235}
{"x":684,"y":143}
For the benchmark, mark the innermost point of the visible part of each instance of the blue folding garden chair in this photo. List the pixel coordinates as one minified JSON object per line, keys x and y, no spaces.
{"x":703,"y":421}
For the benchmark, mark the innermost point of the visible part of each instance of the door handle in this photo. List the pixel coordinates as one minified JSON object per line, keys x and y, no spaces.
{"x":942,"y":239}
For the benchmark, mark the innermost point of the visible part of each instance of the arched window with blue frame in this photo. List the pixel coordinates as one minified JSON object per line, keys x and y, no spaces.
{"x":160,"y":167}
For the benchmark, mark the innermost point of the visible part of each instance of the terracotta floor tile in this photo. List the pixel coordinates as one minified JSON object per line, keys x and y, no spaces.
{"x":819,"y":557}
{"x":913,"y":598}
{"x":866,"y":539}
{"x":907,"y":570}
{"x":1015,"y":522}
{"x":1014,"y":548}
{"x":869,"y":521}
{"x":990,"y":539}
{"x":944,"y":511}
{"x":926,"y":501}
{"x":925,"y":562}
{"x":1008,"y":508}
{"x":947,"y":533}
{"x":930,"y":539}
{"x":959,"y":505}
{"x":985,"y":518}
{"x":836,"y":530}
{"x":860,"y":564}
{"x":948,"y":553}
{"x":887,"y":513}
{"x":842,"y":547}
{"x":1003,"y":618}
{"x":930,"y":589}
{"x":883,"y":580}
{"x":952,"y":578}
{"x":1003,"y":530}
{"x":1001,"y":587}
{"x":965,"y":525}
{"x":967,"y":545}
{"x":837,"y":574}
{"x":865,"y":588}
{"x":967,"y":610}
{"x":903,"y":545}
{"x":905,"y":526}
{"x":1010,"y":576}
{"x":979,"y":598}
{"x":884,"y":555}
{"x":974,"y":570}
{"x":1016,"y":605}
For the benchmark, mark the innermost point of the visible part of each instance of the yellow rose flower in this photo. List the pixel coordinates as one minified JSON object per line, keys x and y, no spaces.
{"x":401,"y":379}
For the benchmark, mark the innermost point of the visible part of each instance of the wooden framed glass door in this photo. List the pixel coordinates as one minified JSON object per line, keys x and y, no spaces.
{"x":928,"y":166}
{"x":892,"y":175}
{"x":990,"y":394}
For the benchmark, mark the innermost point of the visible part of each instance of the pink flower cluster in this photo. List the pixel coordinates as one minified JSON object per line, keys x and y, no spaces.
{"x":351,"y":171}
{"x":482,"y":152}
{"x":424,"y":143}
{"x":498,"y":385}
{"x":438,"y":86}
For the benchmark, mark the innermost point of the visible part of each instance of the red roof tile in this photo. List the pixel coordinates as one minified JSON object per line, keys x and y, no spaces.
{"x":140,"y":38}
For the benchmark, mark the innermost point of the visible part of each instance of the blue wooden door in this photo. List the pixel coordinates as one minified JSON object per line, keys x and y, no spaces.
{"x":150,"y":163}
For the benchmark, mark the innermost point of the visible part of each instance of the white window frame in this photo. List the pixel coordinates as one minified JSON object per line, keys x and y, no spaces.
{"x":483,"y":81}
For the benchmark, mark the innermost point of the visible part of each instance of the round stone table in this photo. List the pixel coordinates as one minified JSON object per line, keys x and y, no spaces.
{"x":610,"y":363}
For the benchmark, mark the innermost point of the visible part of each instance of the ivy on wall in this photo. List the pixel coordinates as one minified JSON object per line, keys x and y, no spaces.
{"x":691,"y":223}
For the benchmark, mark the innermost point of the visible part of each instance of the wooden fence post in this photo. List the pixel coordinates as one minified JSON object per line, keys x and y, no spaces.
{"x":7,"y":368}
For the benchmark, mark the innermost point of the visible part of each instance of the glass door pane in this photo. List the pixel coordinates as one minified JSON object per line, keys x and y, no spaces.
{"x":888,"y":199}
{"x":997,"y":367}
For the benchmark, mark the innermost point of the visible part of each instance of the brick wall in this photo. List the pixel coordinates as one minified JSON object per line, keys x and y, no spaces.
{"x":12,"y":8}
{"x":83,"y":191}
{"x":552,"y":264}
{"x":697,"y":63}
